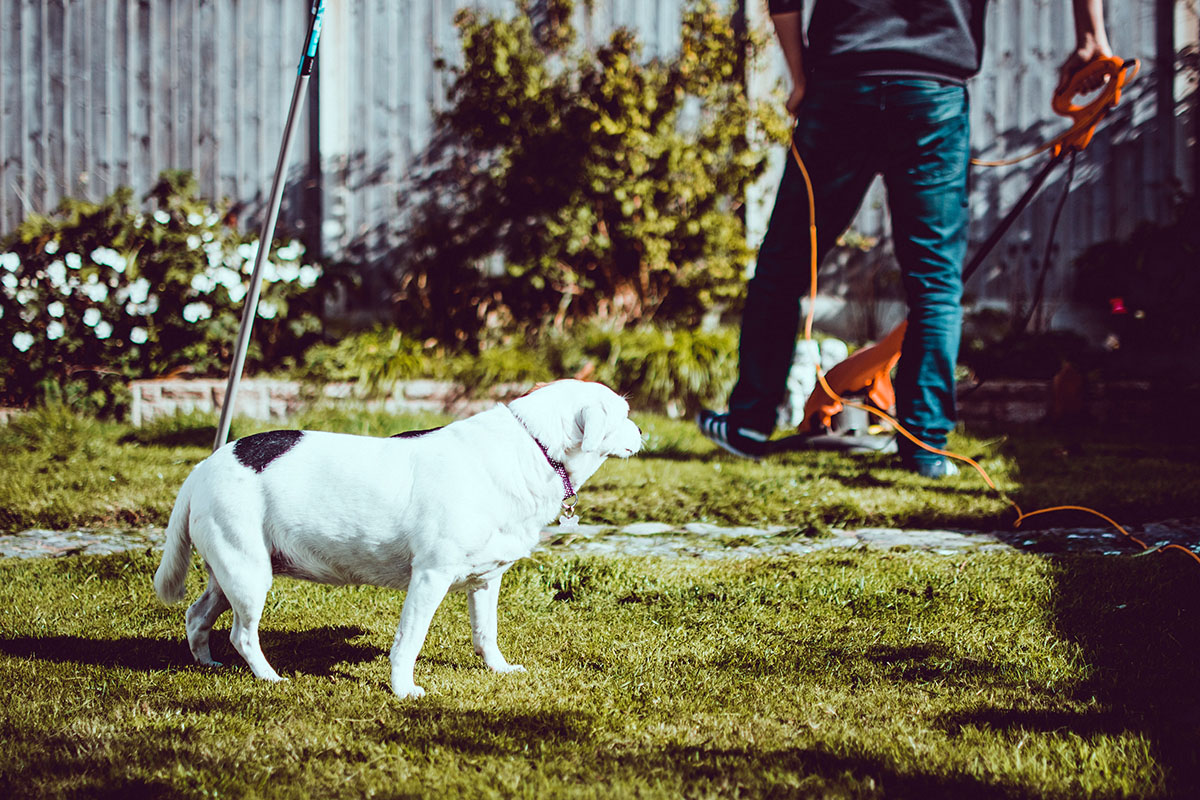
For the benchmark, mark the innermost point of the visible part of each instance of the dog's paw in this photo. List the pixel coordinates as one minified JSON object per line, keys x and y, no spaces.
{"x":508,"y":668}
{"x":408,"y":693}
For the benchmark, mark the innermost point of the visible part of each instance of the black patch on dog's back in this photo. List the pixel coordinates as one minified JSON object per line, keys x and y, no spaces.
{"x":415,"y":434}
{"x":258,"y":451}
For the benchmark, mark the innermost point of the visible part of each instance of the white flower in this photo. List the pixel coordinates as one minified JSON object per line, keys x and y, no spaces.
{"x":138,"y":336}
{"x":107,"y":257}
{"x":228,"y":278}
{"x":193,"y":242}
{"x":142,"y":309}
{"x":24,"y":296}
{"x":9,"y":281}
{"x":194,"y":218}
{"x":57,"y":273}
{"x":236,"y":293}
{"x":96,"y":292}
{"x":74,"y":260}
{"x":51,"y":246}
{"x":203,"y":283}
{"x":22,"y":340}
{"x":103,"y":330}
{"x":56,"y":309}
{"x":212,"y":219}
{"x":287,"y":272}
{"x":10,"y":261}
{"x":104,"y":256}
{"x":290,"y":251}
{"x":267,"y":309}
{"x":55,"y":330}
{"x":1,"y":312}
{"x":194,"y":312}
{"x":248,"y":251}
{"x":91,"y":317}
{"x":139,"y":290}
{"x":309,"y":275}
{"x":162,"y":217}
{"x":215,"y":256}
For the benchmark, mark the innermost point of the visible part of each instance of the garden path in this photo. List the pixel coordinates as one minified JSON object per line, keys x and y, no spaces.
{"x":703,"y":540}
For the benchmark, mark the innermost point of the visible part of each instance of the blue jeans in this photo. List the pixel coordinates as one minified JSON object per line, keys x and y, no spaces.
{"x":915,"y":133}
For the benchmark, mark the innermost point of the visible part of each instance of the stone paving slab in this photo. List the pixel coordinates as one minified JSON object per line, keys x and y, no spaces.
{"x":702,"y":540}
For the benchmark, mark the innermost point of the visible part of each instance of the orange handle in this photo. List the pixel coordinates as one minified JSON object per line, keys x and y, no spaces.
{"x":1087,"y":117}
{"x":1111,"y":67}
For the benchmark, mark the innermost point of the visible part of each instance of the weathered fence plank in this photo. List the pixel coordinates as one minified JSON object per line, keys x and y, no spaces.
{"x":100,"y":93}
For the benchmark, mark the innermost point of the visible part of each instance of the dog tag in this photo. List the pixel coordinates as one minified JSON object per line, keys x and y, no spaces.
{"x":568,"y":520}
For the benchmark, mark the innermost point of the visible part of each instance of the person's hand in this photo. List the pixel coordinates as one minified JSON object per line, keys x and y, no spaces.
{"x":797,"y":96}
{"x":1085,"y":54}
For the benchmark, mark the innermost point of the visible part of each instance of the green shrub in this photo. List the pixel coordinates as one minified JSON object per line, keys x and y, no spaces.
{"x":374,"y":360}
{"x":1149,"y":282}
{"x":513,"y":361}
{"x":676,"y":370}
{"x":96,"y":294}
{"x":673,"y":370}
{"x":605,"y":187}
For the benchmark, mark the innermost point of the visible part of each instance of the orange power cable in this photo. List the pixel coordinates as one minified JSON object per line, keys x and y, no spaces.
{"x":808,"y":323}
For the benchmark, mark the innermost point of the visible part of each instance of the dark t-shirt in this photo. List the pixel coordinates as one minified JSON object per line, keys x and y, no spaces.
{"x":934,"y":38}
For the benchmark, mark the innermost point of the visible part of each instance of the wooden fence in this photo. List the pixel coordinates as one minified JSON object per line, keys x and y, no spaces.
{"x":95,"y":94}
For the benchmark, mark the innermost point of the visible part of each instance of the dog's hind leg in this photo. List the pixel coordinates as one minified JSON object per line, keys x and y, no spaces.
{"x":426,"y":590}
{"x":481,"y":603}
{"x":245,"y":579}
{"x":200,"y":618}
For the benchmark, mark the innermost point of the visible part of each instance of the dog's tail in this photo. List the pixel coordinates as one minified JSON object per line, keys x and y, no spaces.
{"x":171,"y":578}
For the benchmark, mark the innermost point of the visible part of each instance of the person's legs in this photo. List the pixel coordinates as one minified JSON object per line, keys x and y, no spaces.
{"x":830,"y":137}
{"x":926,"y":179}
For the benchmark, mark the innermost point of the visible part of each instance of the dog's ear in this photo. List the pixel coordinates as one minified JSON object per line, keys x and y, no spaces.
{"x":592,"y":420}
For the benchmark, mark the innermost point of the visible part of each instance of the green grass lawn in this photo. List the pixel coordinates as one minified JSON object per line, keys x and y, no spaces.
{"x":846,"y":674}
{"x":63,"y":471}
{"x":850,"y":675}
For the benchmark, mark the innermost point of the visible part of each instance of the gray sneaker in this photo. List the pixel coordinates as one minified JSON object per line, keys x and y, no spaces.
{"x":742,"y":442}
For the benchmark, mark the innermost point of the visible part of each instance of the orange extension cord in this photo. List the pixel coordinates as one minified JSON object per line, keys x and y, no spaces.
{"x":1076,"y":136}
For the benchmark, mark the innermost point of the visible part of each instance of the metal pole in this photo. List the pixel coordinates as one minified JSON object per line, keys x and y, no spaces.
{"x":267,"y":233}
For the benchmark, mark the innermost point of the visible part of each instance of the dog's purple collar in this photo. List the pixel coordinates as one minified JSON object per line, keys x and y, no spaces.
{"x":569,"y":499}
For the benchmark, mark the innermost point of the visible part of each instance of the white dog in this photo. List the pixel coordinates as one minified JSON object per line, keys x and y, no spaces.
{"x":451,"y":508}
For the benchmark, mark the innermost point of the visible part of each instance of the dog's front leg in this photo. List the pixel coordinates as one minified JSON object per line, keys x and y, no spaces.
{"x":481,"y":602}
{"x":426,"y":590}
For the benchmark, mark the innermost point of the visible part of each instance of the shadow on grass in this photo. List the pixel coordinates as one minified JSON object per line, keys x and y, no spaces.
{"x":183,"y":436}
{"x":491,"y":733}
{"x":1135,"y":621}
{"x":312,"y":652}
{"x":805,"y":772}
{"x":672,"y":453}
{"x":700,"y":768}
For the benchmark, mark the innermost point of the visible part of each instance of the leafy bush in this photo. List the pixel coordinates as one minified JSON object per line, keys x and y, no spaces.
{"x":660,"y":369}
{"x":674,"y":370}
{"x":96,"y":294}
{"x":1149,"y":282}
{"x":606,"y":187}
{"x":374,"y":360}
{"x":513,"y":361}
{"x":1026,"y":356}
